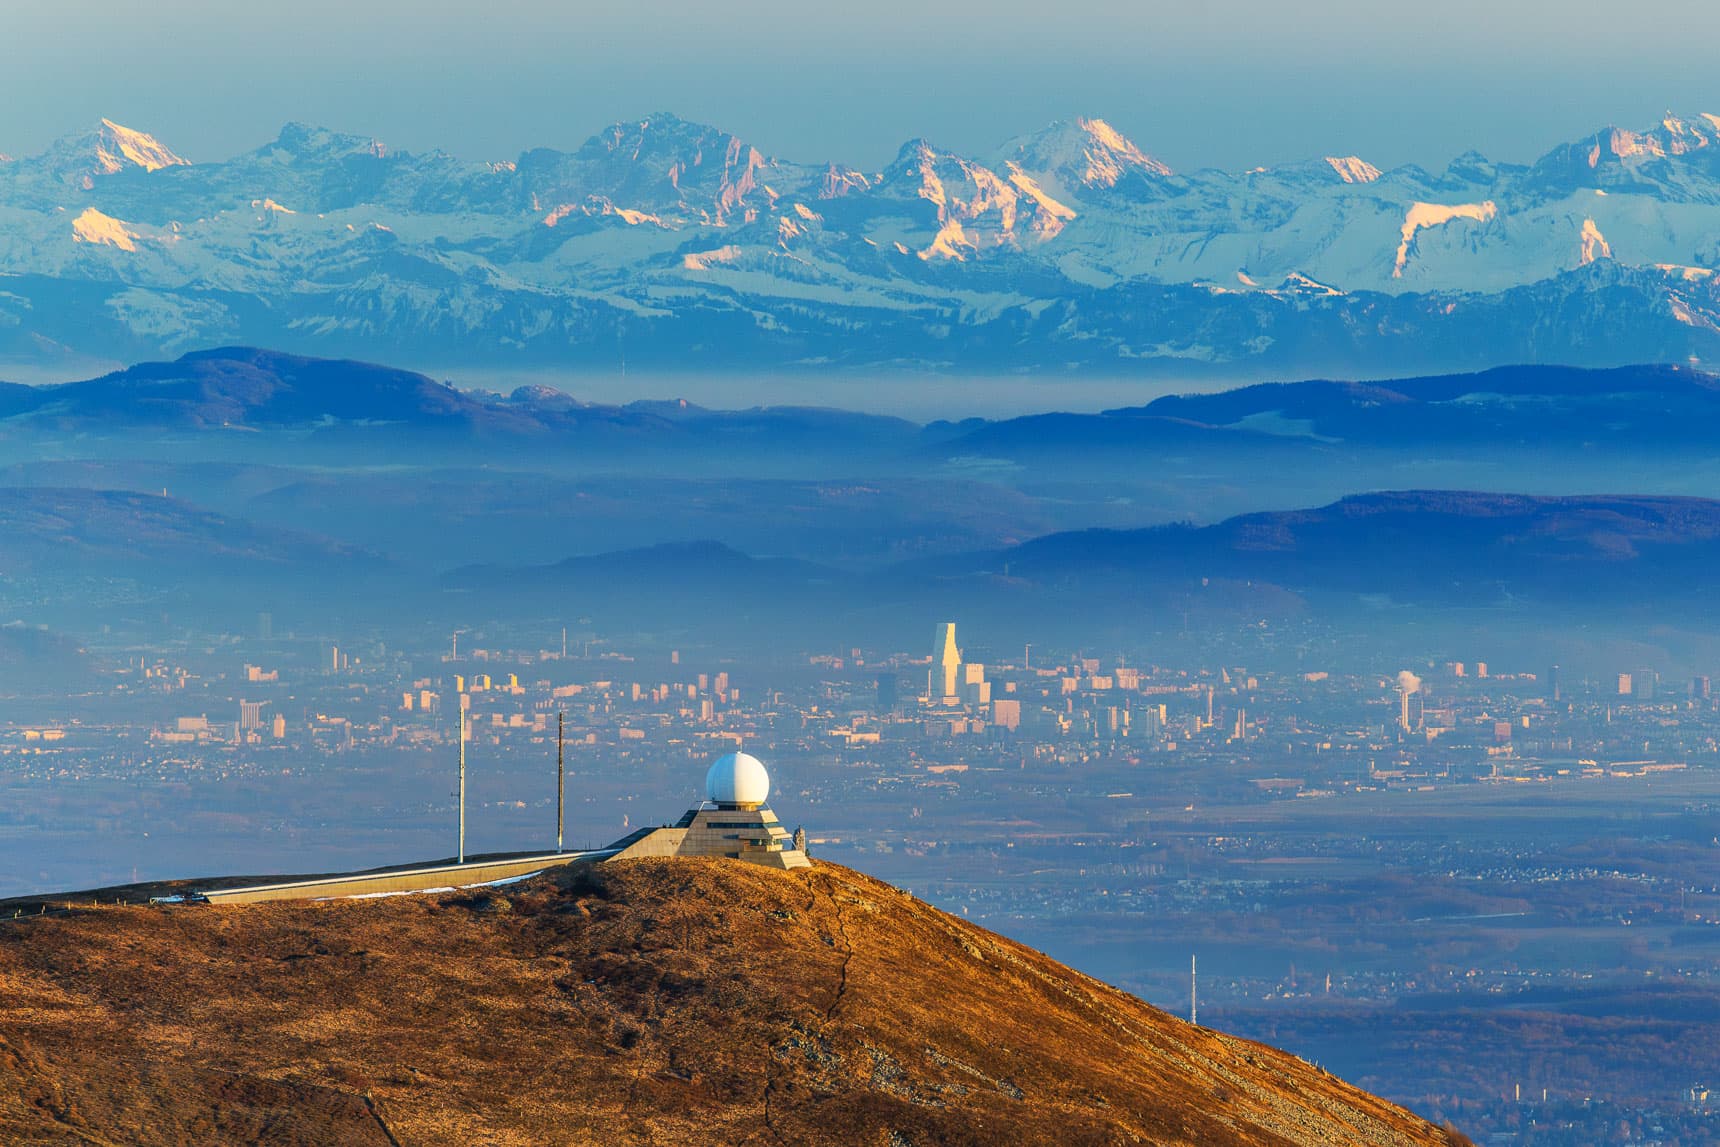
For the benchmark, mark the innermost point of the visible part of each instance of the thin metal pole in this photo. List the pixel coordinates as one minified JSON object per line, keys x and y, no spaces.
{"x":462,"y":780}
{"x":1193,"y":999}
{"x":559,"y":787}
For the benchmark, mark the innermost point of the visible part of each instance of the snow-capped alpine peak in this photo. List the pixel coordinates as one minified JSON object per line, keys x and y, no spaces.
{"x":107,"y":149}
{"x":303,"y":141}
{"x":1353,"y":169}
{"x":118,"y":146}
{"x":1083,"y":153}
{"x":671,"y":167}
{"x":1069,"y":240}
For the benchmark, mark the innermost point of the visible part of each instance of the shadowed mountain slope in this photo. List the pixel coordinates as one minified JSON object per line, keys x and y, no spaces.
{"x":1630,"y":408}
{"x":245,"y":402}
{"x":259,"y":400}
{"x":58,"y":531}
{"x":651,"y":1002}
{"x":1427,"y":545}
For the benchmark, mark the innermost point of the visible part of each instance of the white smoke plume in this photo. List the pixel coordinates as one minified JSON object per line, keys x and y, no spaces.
{"x":1409,"y":682}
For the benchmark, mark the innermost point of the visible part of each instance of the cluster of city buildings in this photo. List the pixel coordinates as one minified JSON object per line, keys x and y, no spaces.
{"x":1299,"y":731}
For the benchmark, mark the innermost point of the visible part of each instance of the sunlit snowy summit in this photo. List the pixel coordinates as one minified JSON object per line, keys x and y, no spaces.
{"x":671,"y":243}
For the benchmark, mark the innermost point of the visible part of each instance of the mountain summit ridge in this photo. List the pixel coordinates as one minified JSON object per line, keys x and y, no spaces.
{"x":1069,"y":249}
{"x":652,"y":1001}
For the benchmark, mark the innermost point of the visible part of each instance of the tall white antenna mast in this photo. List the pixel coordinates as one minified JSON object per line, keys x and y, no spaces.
{"x":1193,"y":999}
{"x":560,"y":804}
{"x":462,"y":780}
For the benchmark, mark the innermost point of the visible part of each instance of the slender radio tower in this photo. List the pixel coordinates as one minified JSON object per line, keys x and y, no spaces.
{"x":560,"y":804}
{"x":1193,"y":999}
{"x":462,"y":780}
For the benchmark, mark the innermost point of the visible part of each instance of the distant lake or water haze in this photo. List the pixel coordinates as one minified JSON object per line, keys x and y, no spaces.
{"x":920,"y":398}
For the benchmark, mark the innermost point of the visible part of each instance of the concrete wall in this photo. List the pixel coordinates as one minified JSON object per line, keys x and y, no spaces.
{"x":400,"y":880}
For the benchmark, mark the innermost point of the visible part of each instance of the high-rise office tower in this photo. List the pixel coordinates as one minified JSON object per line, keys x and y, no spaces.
{"x":887,"y":693}
{"x":1553,"y":693}
{"x":941,"y":682}
{"x":975,"y":689}
{"x":1409,"y":703}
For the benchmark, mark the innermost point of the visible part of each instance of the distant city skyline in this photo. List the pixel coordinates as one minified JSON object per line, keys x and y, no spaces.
{"x":1238,"y":83}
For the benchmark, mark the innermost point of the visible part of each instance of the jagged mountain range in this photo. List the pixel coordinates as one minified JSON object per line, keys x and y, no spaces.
{"x":674,"y":244}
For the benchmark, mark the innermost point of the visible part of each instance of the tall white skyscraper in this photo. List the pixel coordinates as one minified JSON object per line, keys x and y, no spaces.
{"x":945,"y":673}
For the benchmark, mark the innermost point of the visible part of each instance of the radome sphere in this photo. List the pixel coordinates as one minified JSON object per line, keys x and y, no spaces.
{"x":737,"y":779}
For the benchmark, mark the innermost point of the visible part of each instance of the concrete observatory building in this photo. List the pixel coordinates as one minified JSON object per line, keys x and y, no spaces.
{"x":732,"y":821}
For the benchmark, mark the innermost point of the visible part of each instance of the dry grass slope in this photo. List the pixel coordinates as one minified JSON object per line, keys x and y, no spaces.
{"x":652,"y":1002}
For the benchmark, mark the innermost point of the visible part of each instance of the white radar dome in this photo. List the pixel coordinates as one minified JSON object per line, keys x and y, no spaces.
{"x":737,"y":779}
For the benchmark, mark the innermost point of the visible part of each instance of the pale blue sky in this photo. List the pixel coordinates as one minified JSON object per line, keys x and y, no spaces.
{"x":1230,"y":83}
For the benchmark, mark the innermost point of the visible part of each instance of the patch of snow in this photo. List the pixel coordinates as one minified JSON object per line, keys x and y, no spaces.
{"x":948,"y":243}
{"x":1302,"y":284}
{"x":1423,"y":215}
{"x":1594,"y":244}
{"x":633,"y":218}
{"x":134,"y":147}
{"x":387,"y":895}
{"x":838,"y":182}
{"x":103,"y":230}
{"x":1690,"y":317}
{"x":601,"y":206}
{"x":1053,"y":215}
{"x":506,"y":880}
{"x":705,"y":260}
{"x":1113,"y":155}
{"x":1688,"y":274}
{"x":1675,"y":137}
{"x":1353,"y":169}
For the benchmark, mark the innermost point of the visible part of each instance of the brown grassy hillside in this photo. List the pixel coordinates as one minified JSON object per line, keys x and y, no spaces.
{"x":657,"y":1001}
